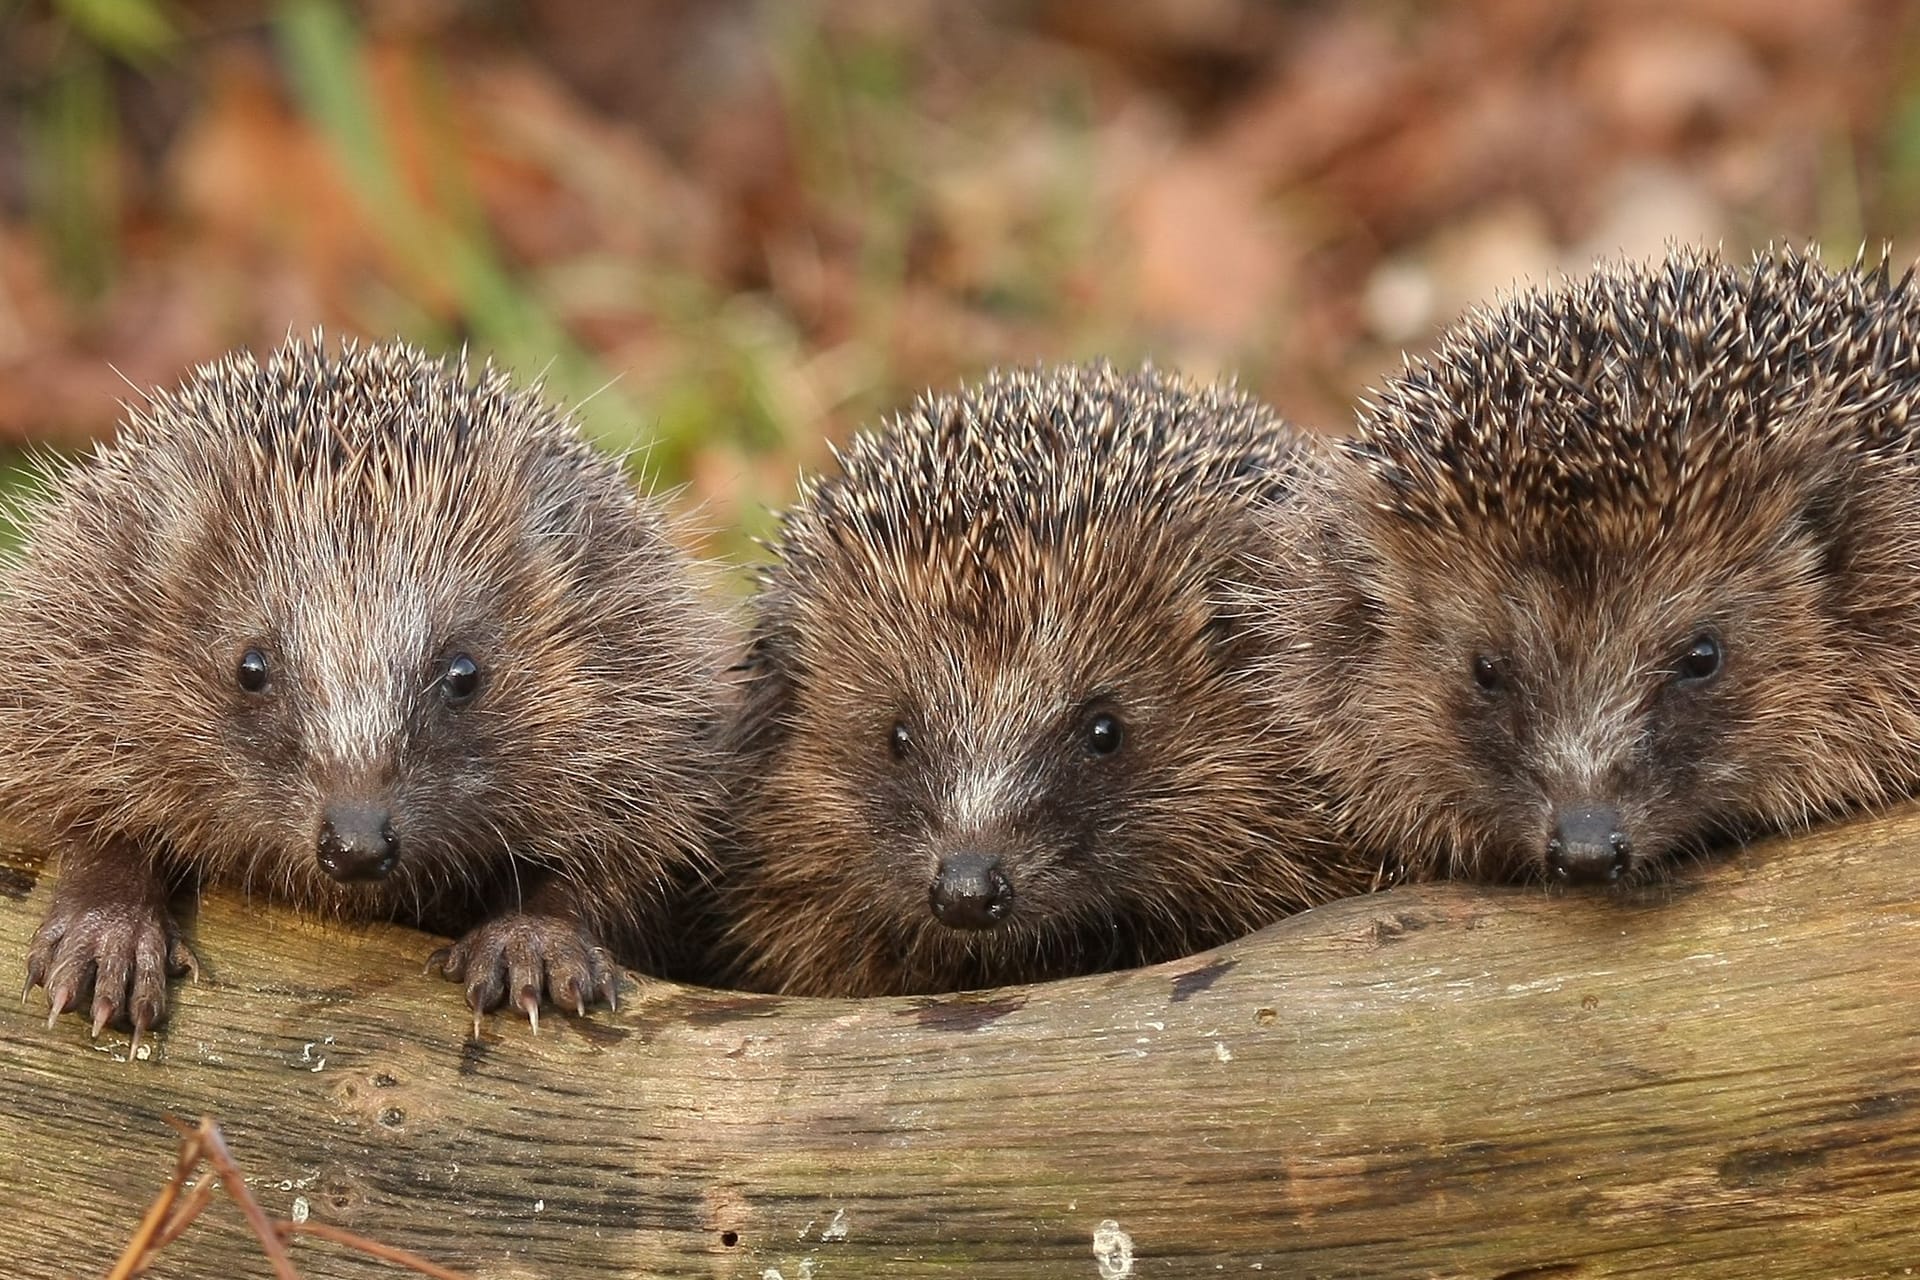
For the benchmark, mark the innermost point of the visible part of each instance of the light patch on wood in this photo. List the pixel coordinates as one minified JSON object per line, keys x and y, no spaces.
{"x":1113,"y":1250}
{"x":318,"y":1060}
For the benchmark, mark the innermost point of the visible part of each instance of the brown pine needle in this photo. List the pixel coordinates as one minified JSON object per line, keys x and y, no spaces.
{"x":183,"y":1216}
{"x":372,"y":1248}
{"x":221,"y":1159}
{"x":133,"y":1259}
{"x":169,"y":1216}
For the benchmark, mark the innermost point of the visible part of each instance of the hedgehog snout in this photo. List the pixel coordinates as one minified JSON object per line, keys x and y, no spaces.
{"x":1588,"y":845}
{"x":971,"y":890}
{"x":357,"y":841}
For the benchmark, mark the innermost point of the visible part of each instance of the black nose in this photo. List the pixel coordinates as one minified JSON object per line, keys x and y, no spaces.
{"x":1588,"y":846}
{"x":357,"y":842}
{"x":970,"y":891}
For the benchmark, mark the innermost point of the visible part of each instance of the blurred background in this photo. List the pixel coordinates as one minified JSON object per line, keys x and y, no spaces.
{"x":731,"y":230}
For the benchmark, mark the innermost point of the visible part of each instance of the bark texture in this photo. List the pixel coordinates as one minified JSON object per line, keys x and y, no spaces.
{"x":1717,"y":1078}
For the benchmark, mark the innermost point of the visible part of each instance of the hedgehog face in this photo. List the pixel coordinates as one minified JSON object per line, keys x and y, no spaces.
{"x":370,"y":633}
{"x":994,"y":781}
{"x":364,"y":719}
{"x":1583,"y":714}
{"x":343,"y":728}
{"x":1001,"y":722}
{"x":1006,"y":768}
{"x":1622,"y":567}
{"x":996,"y":798}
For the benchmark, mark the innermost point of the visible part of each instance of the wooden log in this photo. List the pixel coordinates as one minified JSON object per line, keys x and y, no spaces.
{"x":1713,"y":1079}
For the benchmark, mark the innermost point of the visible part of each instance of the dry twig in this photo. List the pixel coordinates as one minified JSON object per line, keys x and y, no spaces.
{"x":169,"y":1216}
{"x":372,"y":1248}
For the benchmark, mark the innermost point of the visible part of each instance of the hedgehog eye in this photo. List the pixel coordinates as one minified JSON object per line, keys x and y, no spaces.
{"x":461,"y":680}
{"x":1699,"y":662}
{"x":1487,"y":673}
{"x":252,"y":672}
{"x":1105,"y":734}
{"x":899,"y":740}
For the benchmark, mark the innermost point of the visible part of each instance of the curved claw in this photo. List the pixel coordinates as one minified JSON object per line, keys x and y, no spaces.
{"x":181,"y":962}
{"x":524,"y":961}
{"x":111,"y":959}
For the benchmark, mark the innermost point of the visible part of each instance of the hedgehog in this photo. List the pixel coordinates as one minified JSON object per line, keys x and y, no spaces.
{"x":998,"y":721}
{"x":1622,"y":574}
{"x":372,"y":634}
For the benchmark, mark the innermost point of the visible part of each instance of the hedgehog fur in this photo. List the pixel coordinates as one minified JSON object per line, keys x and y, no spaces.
{"x":469,"y":636}
{"x":1624,"y":570}
{"x":1005,"y":636}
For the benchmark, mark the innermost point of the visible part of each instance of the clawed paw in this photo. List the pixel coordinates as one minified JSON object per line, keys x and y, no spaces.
{"x":525,"y":960}
{"x":111,"y":960}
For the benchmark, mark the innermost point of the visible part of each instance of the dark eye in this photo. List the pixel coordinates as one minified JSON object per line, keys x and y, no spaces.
{"x":1104,"y":735}
{"x":252,"y":672}
{"x":899,"y":741}
{"x":461,"y":680}
{"x":1487,"y":674}
{"x":1699,"y":663}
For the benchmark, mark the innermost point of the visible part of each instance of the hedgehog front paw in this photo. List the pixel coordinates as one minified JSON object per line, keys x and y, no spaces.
{"x":118,"y":952}
{"x":523,"y":957}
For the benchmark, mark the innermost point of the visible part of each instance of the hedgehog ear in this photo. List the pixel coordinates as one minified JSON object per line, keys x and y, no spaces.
{"x":1307,"y":584}
{"x":765,"y":688}
{"x":1827,"y":519}
{"x":1244,"y":578}
{"x":766,"y":654}
{"x":1349,"y":576}
{"x":1822,"y":514}
{"x":554,"y":496}
{"x":1234,"y":604}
